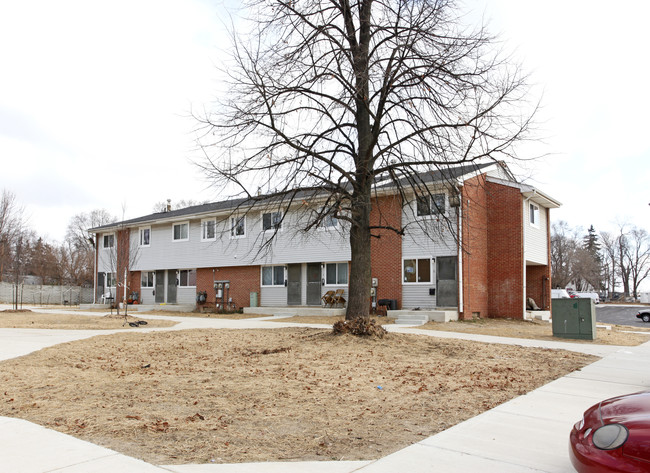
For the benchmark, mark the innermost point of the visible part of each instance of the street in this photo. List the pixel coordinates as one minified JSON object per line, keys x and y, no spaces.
{"x":620,"y":314}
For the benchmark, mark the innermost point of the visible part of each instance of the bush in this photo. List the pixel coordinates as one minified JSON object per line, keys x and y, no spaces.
{"x":359,"y":326}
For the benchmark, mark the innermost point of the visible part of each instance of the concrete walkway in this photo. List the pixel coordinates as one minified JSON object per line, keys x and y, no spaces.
{"x":526,"y":434}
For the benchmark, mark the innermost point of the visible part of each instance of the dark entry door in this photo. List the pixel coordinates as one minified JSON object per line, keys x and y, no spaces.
{"x":100,"y":286}
{"x":447,"y":281}
{"x":160,"y":287}
{"x":294,"y":284}
{"x":171,"y":286}
{"x":313,"y":284}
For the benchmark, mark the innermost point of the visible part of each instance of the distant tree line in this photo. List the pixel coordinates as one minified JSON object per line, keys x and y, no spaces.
{"x":610,"y":262}
{"x":25,"y":253}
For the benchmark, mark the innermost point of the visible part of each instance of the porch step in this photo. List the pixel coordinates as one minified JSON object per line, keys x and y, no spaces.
{"x":412,"y":319}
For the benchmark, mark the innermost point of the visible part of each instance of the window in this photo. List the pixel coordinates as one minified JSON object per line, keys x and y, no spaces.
{"x":181,"y":231}
{"x":273,"y":276}
{"x":336,"y":273}
{"x":109,"y":241}
{"x":208,"y":230}
{"x":430,"y":205}
{"x":110,"y":280}
{"x":145,"y":236}
{"x":417,"y":270}
{"x":238,"y":227}
{"x":534,"y":215}
{"x":147,"y":279}
{"x":187,"y":278}
{"x":271,"y":221}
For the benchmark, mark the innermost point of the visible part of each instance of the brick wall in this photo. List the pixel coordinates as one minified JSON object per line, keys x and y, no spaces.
{"x":386,"y":247}
{"x":474,"y":249}
{"x":505,"y":251}
{"x":243,"y":281}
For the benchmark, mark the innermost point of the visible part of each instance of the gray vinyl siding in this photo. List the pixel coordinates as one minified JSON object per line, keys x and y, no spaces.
{"x":273,"y":296}
{"x":186,"y":295}
{"x":535,"y":238}
{"x":147,"y":295}
{"x":289,"y":246}
{"x":426,"y":237}
{"x":417,"y":295}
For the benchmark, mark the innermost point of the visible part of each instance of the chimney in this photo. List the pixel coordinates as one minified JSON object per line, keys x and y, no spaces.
{"x":169,"y":205}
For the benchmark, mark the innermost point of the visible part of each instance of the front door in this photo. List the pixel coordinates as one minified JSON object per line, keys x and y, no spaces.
{"x":100,"y":286}
{"x":160,"y":287}
{"x":294,"y":284}
{"x":447,"y":281}
{"x":313,"y":284}
{"x":171,"y":286}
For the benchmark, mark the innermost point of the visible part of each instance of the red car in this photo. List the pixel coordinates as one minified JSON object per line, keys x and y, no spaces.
{"x":613,"y":436}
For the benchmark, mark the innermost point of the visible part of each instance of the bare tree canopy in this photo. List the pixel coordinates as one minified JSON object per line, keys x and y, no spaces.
{"x":332,"y":97}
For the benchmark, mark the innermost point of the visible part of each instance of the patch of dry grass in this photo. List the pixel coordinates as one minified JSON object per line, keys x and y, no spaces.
{"x":537,"y":330}
{"x":326,"y":319}
{"x":267,"y":395}
{"x":28,"y":319}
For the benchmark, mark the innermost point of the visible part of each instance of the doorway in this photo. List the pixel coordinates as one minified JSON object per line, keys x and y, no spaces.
{"x":294,"y":284}
{"x":447,"y":281}
{"x":313,"y":284}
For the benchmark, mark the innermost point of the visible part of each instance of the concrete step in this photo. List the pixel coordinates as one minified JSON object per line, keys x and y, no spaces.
{"x":412,"y":319}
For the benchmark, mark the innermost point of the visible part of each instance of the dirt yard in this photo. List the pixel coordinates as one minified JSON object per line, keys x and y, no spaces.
{"x":227,"y":396}
{"x":28,"y":319}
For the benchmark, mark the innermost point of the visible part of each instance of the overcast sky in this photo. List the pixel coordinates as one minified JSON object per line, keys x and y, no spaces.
{"x":95,"y":99}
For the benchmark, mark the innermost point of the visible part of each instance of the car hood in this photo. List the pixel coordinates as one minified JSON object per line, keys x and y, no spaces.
{"x":632,"y":411}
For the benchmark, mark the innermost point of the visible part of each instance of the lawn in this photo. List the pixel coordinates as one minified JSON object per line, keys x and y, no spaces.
{"x":70,"y":321}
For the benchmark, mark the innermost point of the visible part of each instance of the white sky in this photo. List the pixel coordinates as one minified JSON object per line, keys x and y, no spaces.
{"x":95,"y":98}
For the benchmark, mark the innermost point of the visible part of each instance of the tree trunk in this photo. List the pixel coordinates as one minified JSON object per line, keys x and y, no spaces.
{"x":359,"y":282}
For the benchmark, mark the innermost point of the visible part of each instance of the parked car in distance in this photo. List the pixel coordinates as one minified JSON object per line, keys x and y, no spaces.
{"x":644,"y":314}
{"x":559,"y":294}
{"x":613,"y":436}
{"x":590,"y":295}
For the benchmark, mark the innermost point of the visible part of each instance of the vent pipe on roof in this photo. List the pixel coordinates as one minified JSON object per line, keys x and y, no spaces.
{"x":169,"y":205}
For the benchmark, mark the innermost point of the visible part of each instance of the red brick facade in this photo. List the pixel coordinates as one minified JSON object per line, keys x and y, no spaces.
{"x":505,"y":251}
{"x":243,"y":281}
{"x":386,"y":247}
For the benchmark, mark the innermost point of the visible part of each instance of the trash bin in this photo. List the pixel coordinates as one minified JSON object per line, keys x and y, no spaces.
{"x":253,"y":301}
{"x":391,"y":304}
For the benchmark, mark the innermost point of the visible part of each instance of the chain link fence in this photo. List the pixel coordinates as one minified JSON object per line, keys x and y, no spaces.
{"x":45,"y":295}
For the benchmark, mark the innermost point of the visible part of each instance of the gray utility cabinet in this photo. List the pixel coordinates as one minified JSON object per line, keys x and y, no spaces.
{"x":574,"y":318}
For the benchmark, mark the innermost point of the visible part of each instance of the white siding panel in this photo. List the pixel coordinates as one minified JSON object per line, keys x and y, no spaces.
{"x":417,"y":295}
{"x":535,"y":238}
{"x":147,"y":296}
{"x":186,"y":295}
{"x":273,"y":296}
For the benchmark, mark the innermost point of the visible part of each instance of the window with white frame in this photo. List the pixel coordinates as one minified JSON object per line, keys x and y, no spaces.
{"x":111,"y":280}
{"x":181,"y":231}
{"x":273,"y":275}
{"x":534,"y":215}
{"x":108,"y":241}
{"x":434,"y":204}
{"x":417,"y":270}
{"x":329,"y":221}
{"x":271,"y":221}
{"x":148,"y":279}
{"x":238,"y":227}
{"x":145,"y":236}
{"x":208,"y":229}
{"x":187,"y":278}
{"x":336,"y":274}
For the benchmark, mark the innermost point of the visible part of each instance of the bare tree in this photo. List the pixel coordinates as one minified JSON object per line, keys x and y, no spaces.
{"x":11,"y":227}
{"x":564,"y":249}
{"x":610,"y":260}
{"x":327,"y":99}
{"x":637,"y":257}
{"x":163,"y":206}
{"x":79,"y":246}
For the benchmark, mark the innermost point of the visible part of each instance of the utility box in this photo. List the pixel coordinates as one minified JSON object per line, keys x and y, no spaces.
{"x":253,"y":301}
{"x":574,"y":318}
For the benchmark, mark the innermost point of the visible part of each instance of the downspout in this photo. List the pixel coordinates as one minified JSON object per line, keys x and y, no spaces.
{"x":95,"y":273}
{"x":460,"y":252}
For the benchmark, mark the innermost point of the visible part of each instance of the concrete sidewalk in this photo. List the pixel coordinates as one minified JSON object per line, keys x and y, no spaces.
{"x":526,"y":434}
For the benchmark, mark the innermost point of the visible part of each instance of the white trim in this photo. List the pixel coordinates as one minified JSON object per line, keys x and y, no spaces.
{"x":324,"y":273}
{"x":140,"y":230}
{"x":154,"y":280}
{"x":272,"y":229}
{"x":104,"y":235}
{"x":421,"y":283}
{"x":205,"y":220}
{"x":178,"y":271}
{"x":533,"y":215}
{"x":284,"y":275}
{"x":234,"y":220}
{"x":431,"y":195}
{"x":176,"y":240}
